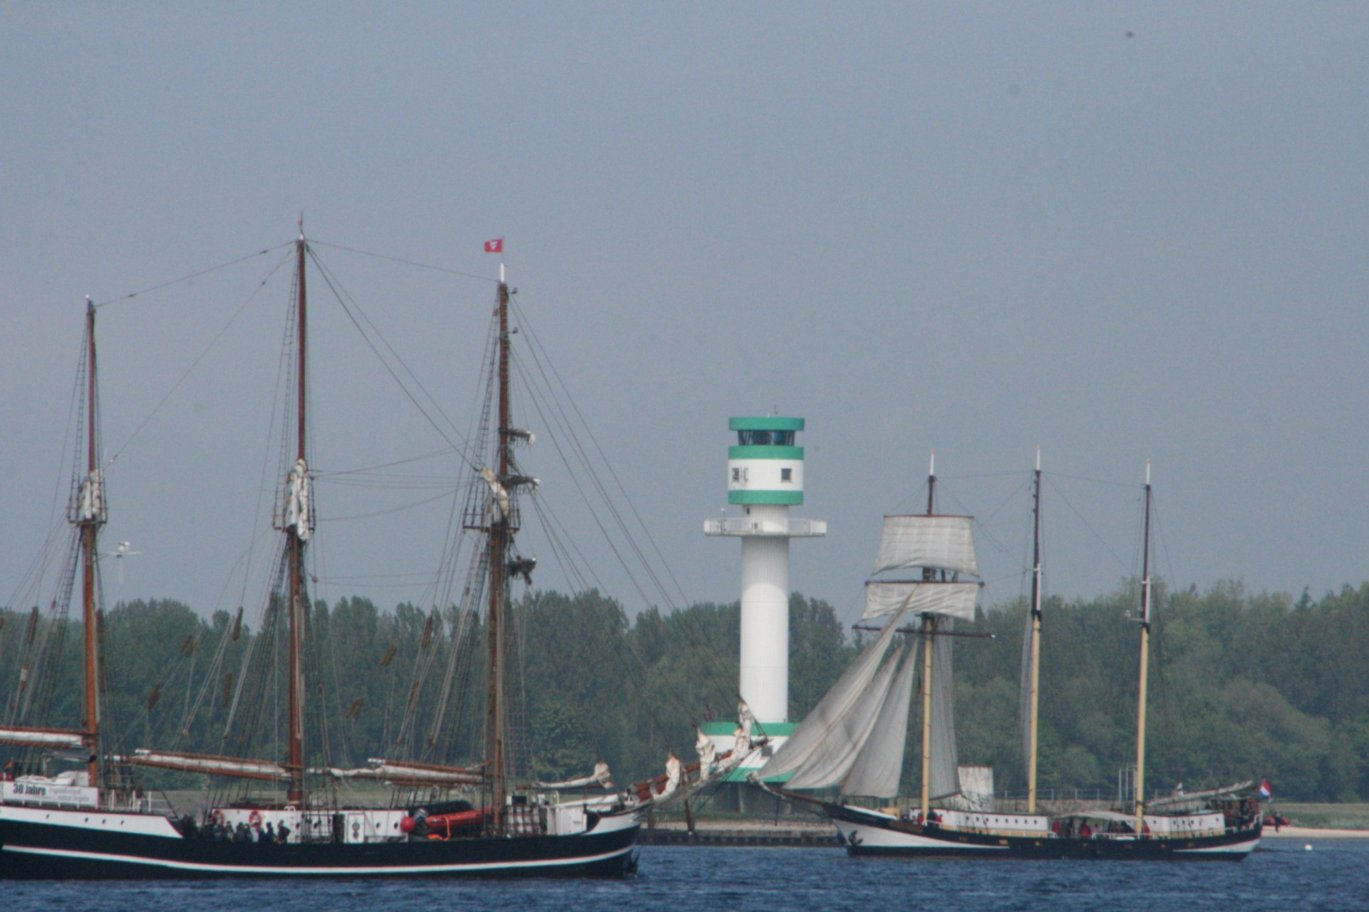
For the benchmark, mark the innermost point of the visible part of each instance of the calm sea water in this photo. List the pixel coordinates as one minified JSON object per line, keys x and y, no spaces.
{"x":1283,"y":875}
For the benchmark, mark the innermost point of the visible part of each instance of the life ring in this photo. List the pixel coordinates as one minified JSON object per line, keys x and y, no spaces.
{"x":254,"y":820}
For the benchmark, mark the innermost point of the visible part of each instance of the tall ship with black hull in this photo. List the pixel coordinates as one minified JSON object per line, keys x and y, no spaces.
{"x":93,"y":820}
{"x":854,"y":739}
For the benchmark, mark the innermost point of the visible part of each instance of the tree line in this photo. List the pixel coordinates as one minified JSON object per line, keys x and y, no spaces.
{"x":1242,"y":686}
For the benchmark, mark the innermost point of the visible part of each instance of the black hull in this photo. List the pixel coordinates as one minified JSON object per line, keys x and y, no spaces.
{"x":876,"y":836}
{"x":31,"y":850}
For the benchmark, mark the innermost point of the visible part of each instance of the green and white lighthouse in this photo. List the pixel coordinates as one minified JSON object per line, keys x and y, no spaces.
{"x":765,"y":479}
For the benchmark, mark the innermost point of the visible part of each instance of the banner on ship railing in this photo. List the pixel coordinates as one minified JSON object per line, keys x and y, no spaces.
{"x":30,"y":791}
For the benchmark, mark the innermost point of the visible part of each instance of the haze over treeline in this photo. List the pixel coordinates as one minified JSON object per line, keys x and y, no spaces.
{"x":1243,"y":686}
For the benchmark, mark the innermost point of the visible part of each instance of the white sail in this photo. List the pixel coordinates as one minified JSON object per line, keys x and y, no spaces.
{"x":945,"y":773}
{"x":708,"y":753}
{"x":821,"y":730}
{"x":832,"y":761}
{"x":876,"y":772}
{"x":942,"y":542}
{"x":955,"y":600}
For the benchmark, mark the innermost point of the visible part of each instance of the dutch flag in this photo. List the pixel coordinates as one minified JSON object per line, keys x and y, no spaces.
{"x":1266,"y":790}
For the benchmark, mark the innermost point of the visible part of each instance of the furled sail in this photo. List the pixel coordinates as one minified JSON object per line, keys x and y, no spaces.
{"x":207,"y":763}
{"x":824,"y":741}
{"x":411,"y":773}
{"x":601,"y":777}
{"x":955,"y":600}
{"x":42,"y":737}
{"x":297,"y":501}
{"x":941,"y":542}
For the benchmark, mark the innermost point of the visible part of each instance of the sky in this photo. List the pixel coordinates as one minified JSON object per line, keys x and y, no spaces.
{"x":1120,"y":232}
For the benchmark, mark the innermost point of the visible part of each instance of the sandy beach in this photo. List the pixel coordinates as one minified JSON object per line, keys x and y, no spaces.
{"x":1299,"y":832}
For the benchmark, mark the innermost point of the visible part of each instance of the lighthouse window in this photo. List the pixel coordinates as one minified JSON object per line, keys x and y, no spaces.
{"x":765,"y":438}
{"x":786,"y":475}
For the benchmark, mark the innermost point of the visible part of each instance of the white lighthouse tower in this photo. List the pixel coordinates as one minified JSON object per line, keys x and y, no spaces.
{"x":764,"y":478}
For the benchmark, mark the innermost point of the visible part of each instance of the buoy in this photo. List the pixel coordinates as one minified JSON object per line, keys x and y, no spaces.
{"x":1307,"y":846}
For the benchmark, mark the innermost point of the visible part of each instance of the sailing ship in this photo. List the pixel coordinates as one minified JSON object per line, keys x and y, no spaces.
{"x":95,"y":822}
{"x":854,"y":739}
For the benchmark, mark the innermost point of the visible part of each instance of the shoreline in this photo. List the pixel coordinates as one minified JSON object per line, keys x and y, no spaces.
{"x":795,"y":832}
{"x":1292,"y":831}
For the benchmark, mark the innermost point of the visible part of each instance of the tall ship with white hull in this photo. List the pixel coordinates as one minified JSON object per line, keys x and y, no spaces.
{"x":854,"y":739}
{"x":93,"y":820}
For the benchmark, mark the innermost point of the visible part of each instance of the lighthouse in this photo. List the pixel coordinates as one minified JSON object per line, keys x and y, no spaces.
{"x":764,"y":479}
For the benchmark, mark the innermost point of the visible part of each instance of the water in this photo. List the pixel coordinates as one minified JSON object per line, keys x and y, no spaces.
{"x":1282,"y":875}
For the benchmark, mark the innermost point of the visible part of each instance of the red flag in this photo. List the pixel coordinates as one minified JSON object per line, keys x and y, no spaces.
{"x":494,"y":246}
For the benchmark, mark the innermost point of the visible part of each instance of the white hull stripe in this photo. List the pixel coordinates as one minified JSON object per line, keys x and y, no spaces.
{"x":1236,"y":848}
{"x":333,"y":871}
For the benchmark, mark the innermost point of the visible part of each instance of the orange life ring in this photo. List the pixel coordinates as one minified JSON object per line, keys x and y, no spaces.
{"x":254,"y":819}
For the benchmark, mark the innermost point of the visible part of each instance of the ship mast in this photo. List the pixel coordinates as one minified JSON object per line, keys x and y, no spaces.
{"x":928,"y":631}
{"x":497,"y":545}
{"x":297,"y":533}
{"x":1034,"y":669}
{"x":1145,"y":656}
{"x":90,"y":516}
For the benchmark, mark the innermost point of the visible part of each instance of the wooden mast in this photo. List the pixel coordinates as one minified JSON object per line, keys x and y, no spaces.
{"x":928,"y":630}
{"x":1034,"y":670}
{"x":497,"y":544}
{"x":1145,"y":656}
{"x":295,"y":539}
{"x":90,"y":515}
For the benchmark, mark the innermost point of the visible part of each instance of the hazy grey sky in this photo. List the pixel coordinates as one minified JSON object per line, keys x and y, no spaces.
{"x":1121,"y":231}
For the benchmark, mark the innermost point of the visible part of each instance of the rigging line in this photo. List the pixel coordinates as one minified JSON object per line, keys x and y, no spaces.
{"x":60,"y":501}
{"x":537,"y":348}
{"x":563,"y":546}
{"x":1161,"y":539}
{"x":982,"y":524}
{"x":404,"y":262}
{"x":347,"y":299}
{"x":391,"y":484}
{"x":1100,"y":481}
{"x":384,"y":465}
{"x":193,"y":275}
{"x":594,"y":515}
{"x":978,"y":475}
{"x":342,"y":301}
{"x":335,"y":579}
{"x":609,"y":504}
{"x":387,"y":512}
{"x":1055,"y":489}
{"x":194,"y":364}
